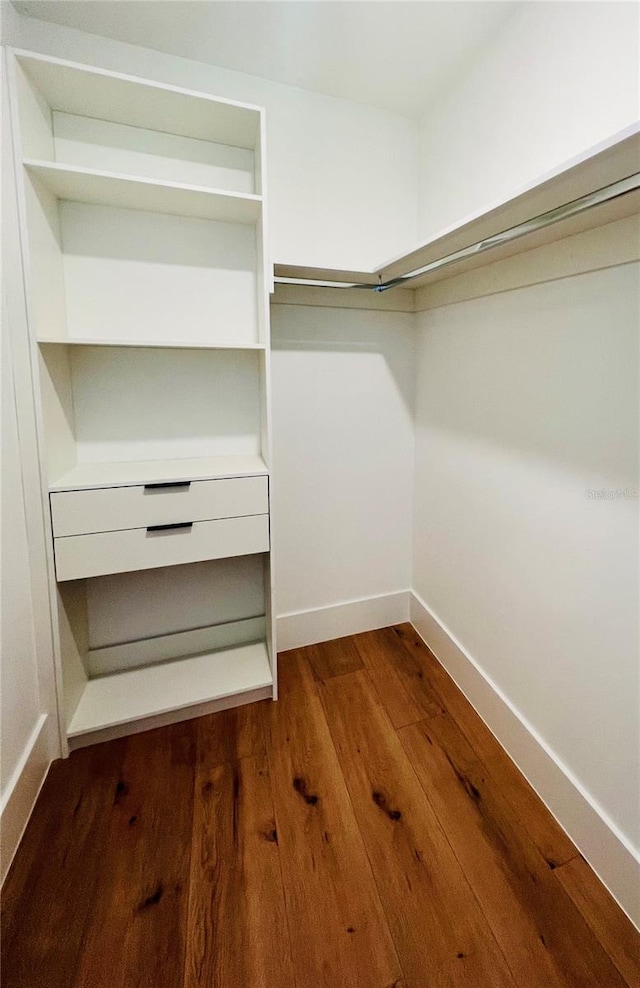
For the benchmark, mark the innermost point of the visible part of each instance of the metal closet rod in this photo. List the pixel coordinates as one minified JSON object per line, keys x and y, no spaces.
{"x":581,"y":205}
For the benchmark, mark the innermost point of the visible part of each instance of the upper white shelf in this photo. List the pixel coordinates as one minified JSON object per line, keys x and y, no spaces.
{"x":72,"y":88}
{"x":134,"y":473}
{"x":158,"y":344}
{"x":606,"y":164}
{"x":129,"y":192}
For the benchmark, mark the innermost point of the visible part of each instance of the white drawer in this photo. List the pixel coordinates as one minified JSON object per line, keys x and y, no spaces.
{"x":111,"y":509}
{"x":79,"y":556}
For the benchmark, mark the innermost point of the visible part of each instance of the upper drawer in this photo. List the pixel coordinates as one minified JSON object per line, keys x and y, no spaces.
{"x":110,"y":509}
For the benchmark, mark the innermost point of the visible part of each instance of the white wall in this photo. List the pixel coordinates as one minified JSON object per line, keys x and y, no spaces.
{"x":20,"y":704}
{"x":27,"y":686}
{"x":527,"y":401}
{"x":342,"y":176}
{"x":343,"y":427}
{"x":557,"y":79}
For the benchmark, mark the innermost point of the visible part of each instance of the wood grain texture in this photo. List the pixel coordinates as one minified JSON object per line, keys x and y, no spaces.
{"x":144,"y":880}
{"x":440,"y":931}
{"x":541,"y":933}
{"x":384,"y":659}
{"x":611,"y":926}
{"x":237,"y":929}
{"x":231,"y":734}
{"x":53,"y":884}
{"x":546,"y":832}
{"x":339,"y":935}
{"x":334,"y":658}
{"x":366,"y":831}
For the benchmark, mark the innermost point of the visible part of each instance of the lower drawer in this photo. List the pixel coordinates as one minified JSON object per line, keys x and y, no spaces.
{"x":80,"y":556}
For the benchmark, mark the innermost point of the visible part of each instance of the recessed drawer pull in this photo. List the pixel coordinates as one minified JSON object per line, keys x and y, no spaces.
{"x":169,"y":486}
{"x":165,"y":528}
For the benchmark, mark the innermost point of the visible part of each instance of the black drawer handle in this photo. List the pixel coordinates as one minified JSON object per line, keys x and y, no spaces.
{"x":170,"y":485}
{"x":166,"y":528}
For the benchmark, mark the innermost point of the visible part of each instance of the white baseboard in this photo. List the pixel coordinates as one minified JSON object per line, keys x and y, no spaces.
{"x":21,"y":793}
{"x":349,"y":618}
{"x":606,"y":849}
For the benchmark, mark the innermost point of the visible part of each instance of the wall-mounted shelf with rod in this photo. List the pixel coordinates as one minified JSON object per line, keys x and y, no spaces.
{"x":598,"y":187}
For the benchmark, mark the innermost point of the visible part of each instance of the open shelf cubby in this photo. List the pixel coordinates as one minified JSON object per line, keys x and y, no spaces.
{"x":190,"y":642}
{"x":83,"y":116}
{"x":111,"y":413}
{"x":105,"y":272}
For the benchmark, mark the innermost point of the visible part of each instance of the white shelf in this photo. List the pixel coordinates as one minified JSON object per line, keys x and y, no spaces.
{"x":606,"y":164}
{"x":130,"y":192}
{"x":159,"y":344}
{"x":124,"y":474}
{"x":126,"y":697}
{"x":91,"y":92}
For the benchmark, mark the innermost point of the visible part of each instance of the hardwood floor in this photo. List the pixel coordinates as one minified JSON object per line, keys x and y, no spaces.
{"x":366,"y":831}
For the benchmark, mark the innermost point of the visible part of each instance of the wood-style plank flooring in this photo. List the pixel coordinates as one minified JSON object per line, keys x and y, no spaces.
{"x":366,"y":831}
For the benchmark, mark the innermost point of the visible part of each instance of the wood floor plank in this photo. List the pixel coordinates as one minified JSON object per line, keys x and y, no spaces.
{"x":53,"y":884}
{"x":548,"y":835}
{"x":339,"y":934}
{"x":406,"y":698}
{"x":237,"y":930}
{"x":542,"y":935}
{"x":613,"y":929}
{"x":441,"y":934}
{"x":143,"y":883}
{"x":232,"y":734}
{"x":308,"y":843}
{"x":334,"y":658}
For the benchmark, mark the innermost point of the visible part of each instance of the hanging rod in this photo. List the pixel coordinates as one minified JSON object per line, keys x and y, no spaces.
{"x":573,"y":208}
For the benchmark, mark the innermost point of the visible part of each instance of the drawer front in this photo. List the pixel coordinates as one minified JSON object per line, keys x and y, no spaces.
{"x":79,"y":556}
{"x":111,"y":509}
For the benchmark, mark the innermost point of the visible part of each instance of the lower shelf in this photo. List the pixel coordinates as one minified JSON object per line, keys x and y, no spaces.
{"x":139,"y":693}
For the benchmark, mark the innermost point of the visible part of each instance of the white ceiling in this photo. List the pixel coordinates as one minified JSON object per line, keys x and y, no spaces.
{"x":391,"y":54}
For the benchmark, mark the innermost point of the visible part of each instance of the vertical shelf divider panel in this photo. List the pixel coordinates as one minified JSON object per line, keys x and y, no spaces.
{"x":143,"y":226}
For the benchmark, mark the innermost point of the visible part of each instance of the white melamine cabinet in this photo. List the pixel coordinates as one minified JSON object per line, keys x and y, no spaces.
{"x":143,"y":236}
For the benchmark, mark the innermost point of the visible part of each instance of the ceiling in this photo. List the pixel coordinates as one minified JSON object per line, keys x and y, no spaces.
{"x":391,"y":54}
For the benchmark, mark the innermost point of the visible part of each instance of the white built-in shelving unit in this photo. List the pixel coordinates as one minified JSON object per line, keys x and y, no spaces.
{"x":143,"y":233}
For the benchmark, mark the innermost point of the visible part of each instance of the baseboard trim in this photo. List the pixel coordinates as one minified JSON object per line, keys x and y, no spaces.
{"x":21,"y":793}
{"x":301,"y":628}
{"x":607,"y":850}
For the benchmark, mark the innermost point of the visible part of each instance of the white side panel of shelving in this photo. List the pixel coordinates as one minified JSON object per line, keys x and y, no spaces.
{"x":36,"y":129}
{"x":44,"y":237}
{"x":74,"y":642}
{"x":56,"y":398}
{"x":175,"y":276}
{"x":265,"y":275}
{"x":91,"y":143}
